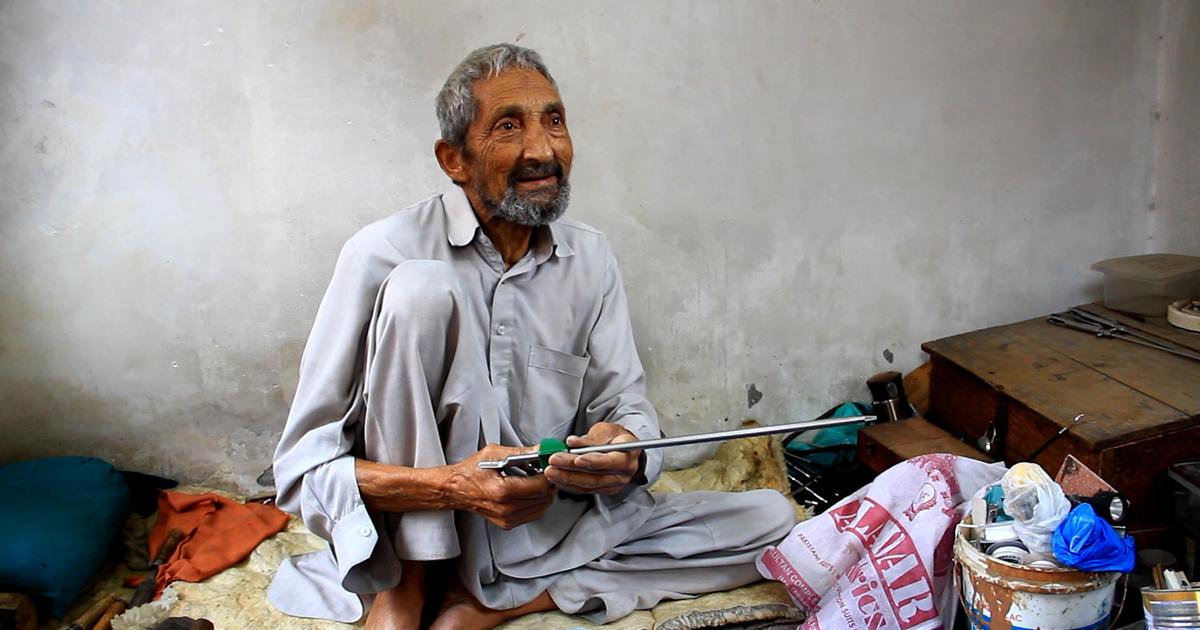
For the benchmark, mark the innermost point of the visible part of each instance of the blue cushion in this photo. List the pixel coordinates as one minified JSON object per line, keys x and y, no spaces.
{"x":58,"y":517}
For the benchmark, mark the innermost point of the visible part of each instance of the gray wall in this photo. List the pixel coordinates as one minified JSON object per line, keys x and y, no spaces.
{"x":1176,"y":193}
{"x":794,"y":189}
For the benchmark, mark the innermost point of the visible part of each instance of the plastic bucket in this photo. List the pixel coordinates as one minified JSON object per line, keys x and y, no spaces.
{"x":1000,"y":595}
{"x":1171,"y":609}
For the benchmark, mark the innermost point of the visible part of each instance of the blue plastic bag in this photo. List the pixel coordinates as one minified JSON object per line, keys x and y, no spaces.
{"x":1087,"y":542}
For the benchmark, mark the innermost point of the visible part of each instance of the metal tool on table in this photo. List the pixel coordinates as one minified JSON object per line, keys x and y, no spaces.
{"x":534,"y":462}
{"x":1101,"y":326}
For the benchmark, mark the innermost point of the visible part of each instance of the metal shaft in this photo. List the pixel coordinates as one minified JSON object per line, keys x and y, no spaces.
{"x":1179,"y":353}
{"x":719,"y":436}
{"x":1105,"y":327}
{"x":1118,"y":327}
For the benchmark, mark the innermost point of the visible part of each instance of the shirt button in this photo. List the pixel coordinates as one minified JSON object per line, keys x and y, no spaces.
{"x":366,"y":532}
{"x":500,"y":329}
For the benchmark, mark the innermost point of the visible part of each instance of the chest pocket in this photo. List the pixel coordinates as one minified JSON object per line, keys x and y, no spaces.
{"x":553,"y":383}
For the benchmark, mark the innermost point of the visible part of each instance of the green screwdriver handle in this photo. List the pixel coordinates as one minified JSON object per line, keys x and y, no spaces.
{"x":522,"y":464}
{"x":548,"y":447}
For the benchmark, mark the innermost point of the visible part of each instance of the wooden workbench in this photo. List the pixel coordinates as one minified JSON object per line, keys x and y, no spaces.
{"x":1031,"y":378}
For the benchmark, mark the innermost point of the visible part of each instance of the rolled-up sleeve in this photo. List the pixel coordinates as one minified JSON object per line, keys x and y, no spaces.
{"x":614,"y":388}
{"x":315,"y":460}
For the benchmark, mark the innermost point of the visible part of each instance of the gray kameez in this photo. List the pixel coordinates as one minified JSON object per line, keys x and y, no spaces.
{"x":425,"y":348}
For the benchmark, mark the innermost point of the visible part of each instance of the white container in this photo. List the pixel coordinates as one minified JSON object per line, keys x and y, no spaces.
{"x":1185,"y":314}
{"x":1147,"y":284}
{"x":999,"y":594}
{"x":1171,"y":609}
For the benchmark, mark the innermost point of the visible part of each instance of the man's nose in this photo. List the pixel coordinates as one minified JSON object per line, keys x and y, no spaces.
{"x":537,"y":145}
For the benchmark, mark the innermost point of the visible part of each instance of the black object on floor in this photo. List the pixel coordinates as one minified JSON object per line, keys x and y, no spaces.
{"x":143,"y":490}
{"x":185,"y":623}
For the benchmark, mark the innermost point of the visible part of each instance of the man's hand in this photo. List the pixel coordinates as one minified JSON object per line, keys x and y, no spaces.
{"x":595,"y":473}
{"x":505,"y":501}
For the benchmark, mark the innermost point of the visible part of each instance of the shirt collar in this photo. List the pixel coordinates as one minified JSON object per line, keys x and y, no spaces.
{"x":461,"y":224}
{"x":460,"y":218}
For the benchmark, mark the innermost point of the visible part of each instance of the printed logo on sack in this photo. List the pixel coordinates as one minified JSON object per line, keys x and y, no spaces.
{"x":942,"y":486}
{"x":781,"y":569}
{"x":894,"y":556}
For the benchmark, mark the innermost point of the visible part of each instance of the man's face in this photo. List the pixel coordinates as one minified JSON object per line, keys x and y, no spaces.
{"x":518,"y":151}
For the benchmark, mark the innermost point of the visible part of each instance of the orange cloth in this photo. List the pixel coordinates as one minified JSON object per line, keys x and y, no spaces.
{"x":217,"y":533}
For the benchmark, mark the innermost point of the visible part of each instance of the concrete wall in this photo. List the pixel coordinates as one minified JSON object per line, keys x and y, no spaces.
{"x":1176,"y":213}
{"x":800,"y":193}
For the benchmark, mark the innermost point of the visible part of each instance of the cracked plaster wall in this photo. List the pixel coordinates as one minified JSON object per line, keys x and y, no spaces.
{"x":799,"y":193}
{"x":1175,"y":212}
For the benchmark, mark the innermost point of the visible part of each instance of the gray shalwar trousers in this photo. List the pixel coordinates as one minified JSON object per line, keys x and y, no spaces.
{"x":429,"y":402}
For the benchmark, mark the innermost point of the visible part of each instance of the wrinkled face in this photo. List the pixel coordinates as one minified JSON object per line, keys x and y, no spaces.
{"x":518,"y":151}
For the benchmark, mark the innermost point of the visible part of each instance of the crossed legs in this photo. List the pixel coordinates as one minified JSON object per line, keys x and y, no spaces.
{"x":423,"y":356}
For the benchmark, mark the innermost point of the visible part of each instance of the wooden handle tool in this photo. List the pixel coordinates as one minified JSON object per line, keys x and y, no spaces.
{"x":105,"y":622}
{"x":89,"y":617}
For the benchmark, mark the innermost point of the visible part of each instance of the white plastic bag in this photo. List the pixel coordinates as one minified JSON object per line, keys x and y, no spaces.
{"x":882,"y":557}
{"x":1036,"y":503}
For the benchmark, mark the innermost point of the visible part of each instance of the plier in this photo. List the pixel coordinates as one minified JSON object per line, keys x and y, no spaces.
{"x":1100,"y":326}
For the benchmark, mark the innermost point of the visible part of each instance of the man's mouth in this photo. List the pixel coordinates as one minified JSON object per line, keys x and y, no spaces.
{"x":538,"y":182}
{"x":537,"y":177}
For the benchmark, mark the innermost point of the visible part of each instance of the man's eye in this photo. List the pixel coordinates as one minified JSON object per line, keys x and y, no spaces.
{"x":507,"y":126}
{"x":556,"y":120}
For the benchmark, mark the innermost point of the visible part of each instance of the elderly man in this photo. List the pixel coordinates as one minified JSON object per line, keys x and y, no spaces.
{"x":455,"y":331}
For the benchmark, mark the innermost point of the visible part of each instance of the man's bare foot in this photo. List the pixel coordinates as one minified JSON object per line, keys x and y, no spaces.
{"x":400,"y":608}
{"x":461,"y":611}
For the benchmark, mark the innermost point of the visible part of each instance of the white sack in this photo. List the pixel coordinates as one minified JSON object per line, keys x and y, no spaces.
{"x":882,"y":557}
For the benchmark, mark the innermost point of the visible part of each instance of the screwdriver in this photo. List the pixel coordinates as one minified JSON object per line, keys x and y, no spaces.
{"x":534,"y":462}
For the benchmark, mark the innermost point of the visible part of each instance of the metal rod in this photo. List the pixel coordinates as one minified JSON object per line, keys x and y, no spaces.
{"x":1117,"y":326}
{"x":804,"y":487}
{"x":720,"y":435}
{"x":682,"y":440}
{"x":1057,"y":434}
{"x":1171,"y":350}
{"x":1108,"y":331}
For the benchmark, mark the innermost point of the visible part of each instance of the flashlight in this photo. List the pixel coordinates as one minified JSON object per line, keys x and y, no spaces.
{"x":1108,"y":505}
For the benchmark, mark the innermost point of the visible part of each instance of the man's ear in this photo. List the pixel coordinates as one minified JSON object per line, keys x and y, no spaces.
{"x":450,"y":158}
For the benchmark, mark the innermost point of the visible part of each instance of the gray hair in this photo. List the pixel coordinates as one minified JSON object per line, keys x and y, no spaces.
{"x":456,"y":105}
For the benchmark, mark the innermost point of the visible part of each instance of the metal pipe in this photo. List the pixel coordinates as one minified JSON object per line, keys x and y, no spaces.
{"x":1120,"y":332}
{"x":719,"y":436}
